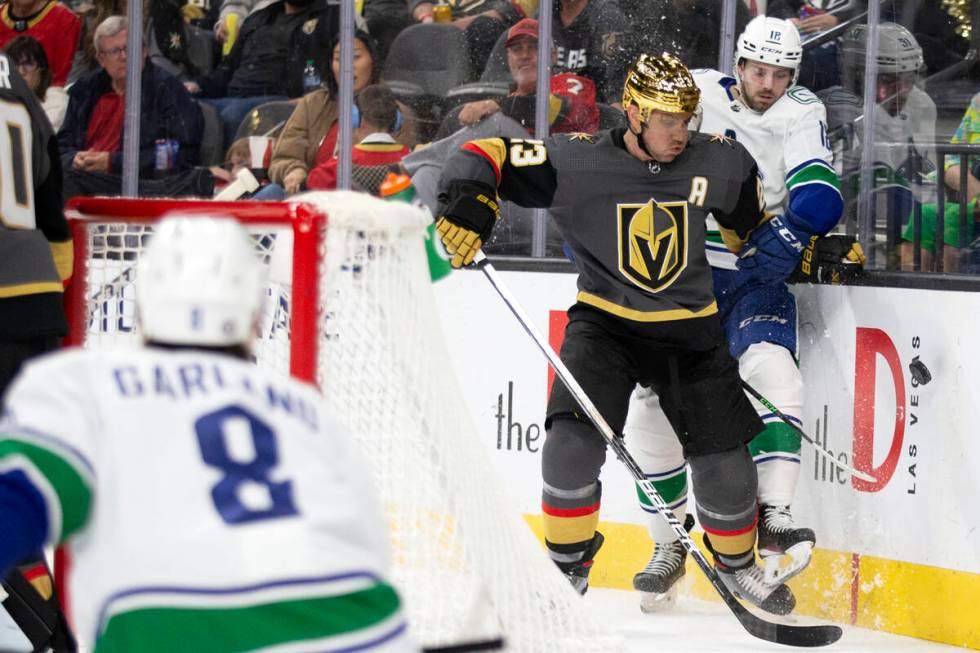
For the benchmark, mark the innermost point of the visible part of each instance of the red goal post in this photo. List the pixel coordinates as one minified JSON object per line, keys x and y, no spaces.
{"x":306,"y":222}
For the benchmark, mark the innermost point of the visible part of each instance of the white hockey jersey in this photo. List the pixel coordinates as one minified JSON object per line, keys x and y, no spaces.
{"x":788,"y":141}
{"x":207,"y":506}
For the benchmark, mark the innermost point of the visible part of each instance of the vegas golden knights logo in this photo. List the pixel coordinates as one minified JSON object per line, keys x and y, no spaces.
{"x":652,"y":243}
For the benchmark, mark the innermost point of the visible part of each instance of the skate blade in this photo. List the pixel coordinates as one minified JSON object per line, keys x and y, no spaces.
{"x":780,"y":568}
{"x":652,"y":602}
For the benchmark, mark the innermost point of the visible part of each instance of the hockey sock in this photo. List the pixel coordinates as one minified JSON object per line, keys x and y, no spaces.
{"x":570,"y":520}
{"x":776,"y":453}
{"x":672,"y":486}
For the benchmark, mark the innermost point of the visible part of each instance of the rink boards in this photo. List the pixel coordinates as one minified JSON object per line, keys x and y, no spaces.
{"x":900,"y":555}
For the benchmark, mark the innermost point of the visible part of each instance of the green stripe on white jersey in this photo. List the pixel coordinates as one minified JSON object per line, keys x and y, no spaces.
{"x":365,"y":620}
{"x":66,"y":490}
{"x":815,"y":173}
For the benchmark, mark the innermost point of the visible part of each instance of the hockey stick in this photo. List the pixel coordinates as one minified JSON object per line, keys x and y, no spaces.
{"x":756,"y":626}
{"x":864,"y":476}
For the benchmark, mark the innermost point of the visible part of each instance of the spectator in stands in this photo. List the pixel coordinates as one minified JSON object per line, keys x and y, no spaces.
{"x":54,"y":26}
{"x":181,"y":39}
{"x":905,"y":125}
{"x":819,"y":69}
{"x":92,"y":14}
{"x":268,"y":58}
{"x":32,"y":63}
{"x":91,"y":138}
{"x":572,"y":106}
{"x":376,"y":153}
{"x":226,"y":27}
{"x":590,"y":39}
{"x":688,"y":29}
{"x":482,"y":21}
{"x":968,"y":133}
{"x":310,"y":135}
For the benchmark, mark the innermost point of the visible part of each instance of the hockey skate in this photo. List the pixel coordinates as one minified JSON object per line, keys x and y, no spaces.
{"x":578,"y":572}
{"x":784,"y":548}
{"x":657,"y":583}
{"x":748,"y":582}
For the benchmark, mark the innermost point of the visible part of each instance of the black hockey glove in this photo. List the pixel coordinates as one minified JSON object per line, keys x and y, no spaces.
{"x":468,"y":219}
{"x":833,"y":259}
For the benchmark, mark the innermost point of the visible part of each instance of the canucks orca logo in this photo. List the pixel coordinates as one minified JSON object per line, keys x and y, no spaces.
{"x":652,"y":243}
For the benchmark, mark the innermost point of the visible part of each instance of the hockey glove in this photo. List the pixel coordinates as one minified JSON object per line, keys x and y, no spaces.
{"x":772,"y":251}
{"x":468,"y":219}
{"x":829,"y":259}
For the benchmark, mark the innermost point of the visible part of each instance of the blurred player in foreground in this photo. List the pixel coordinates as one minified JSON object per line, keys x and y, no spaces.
{"x":206,"y":505}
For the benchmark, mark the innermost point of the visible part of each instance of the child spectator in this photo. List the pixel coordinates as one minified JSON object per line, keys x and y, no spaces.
{"x":376,"y":118}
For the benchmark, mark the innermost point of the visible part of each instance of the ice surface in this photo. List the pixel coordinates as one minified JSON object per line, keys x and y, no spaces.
{"x":692,"y":625}
{"x":704,"y":626}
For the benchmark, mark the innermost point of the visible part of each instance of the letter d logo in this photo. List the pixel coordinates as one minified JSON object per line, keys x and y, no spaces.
{"x":870,"y":344}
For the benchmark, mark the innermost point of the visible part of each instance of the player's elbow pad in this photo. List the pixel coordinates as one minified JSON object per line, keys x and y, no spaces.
{"x":813,"y":210}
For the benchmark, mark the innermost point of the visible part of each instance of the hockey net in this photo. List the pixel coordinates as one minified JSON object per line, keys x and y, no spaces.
{"x":352,"y":309}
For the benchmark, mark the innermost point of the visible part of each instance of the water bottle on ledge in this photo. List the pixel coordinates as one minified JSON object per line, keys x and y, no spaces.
{"x":311,"y":77}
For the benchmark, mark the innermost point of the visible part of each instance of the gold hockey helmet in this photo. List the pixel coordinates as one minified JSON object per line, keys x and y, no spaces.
{"x":662,"y":83}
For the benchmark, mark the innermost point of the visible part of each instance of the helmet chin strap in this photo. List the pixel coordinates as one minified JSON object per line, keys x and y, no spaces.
{"x":640,"y":141}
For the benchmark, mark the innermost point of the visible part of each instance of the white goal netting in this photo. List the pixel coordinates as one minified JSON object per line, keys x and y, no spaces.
{"x":466,"y":564}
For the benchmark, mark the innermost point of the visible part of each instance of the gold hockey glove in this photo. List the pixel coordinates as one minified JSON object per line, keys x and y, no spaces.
{"x":833,"y":259}
{"x":468,"y":219}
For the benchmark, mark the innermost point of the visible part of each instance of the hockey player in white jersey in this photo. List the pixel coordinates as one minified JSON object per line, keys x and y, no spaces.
{"x":904,"y":123}
{"x":783,"y":126}
{"x":206,"y":504}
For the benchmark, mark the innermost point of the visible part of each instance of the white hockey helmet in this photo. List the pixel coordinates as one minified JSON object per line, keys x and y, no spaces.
{"x":199,"y":283}
{"x":772,"y":41}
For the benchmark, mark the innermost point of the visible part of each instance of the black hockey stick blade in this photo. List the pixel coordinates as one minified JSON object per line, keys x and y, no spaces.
{"x":786,"y":634}
{"x":789,"y":635}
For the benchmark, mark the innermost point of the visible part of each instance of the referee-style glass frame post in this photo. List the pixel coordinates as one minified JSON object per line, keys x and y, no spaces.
{"x":726,"y":46}
{"x":345,"y":85}
{"x":541,"y":123}
{"x":134,"y":77}
{"x":865,"y":215}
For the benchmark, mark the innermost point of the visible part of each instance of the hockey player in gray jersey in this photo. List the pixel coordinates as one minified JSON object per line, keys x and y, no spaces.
{"x":632,"y":205}
{"x":784,"y":127}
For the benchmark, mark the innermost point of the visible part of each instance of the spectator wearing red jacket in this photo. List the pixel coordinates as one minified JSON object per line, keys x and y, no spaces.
{"x":376,"y":118}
